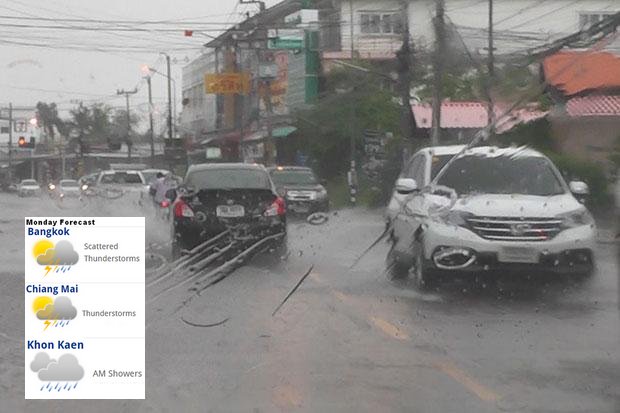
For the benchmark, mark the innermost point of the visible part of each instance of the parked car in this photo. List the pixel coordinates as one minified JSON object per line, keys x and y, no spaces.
{"x":214,"y":197}
{"x":28,"y":187}
{"x":508,"y":209}
{"x":301,"y":189}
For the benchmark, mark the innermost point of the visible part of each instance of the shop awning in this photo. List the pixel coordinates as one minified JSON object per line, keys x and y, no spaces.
{"x":283,"y":131}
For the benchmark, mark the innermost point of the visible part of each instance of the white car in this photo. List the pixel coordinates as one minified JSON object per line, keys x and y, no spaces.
{"x":490,"y":209}
{"x":28,"y":187}
{"x":114,"y":184}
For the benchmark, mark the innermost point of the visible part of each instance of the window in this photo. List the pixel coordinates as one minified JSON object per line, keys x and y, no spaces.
{"x":378,"y":23}
{"x":228,"y":179}
{"x":589,"y":19}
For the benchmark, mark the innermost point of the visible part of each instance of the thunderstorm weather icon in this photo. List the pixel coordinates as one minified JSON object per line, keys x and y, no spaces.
{"x":55,"y":258}
{"x":55,"y":312}
{"x":66,"y":370}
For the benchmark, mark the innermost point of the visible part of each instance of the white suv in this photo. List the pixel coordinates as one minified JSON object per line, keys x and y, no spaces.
{"x":490,"y":209}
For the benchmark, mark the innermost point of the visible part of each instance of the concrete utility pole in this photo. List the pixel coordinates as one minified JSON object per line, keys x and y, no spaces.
{"x":491,"y":70}
{"x":352,"y":174}
{"x":408,"y":125}
{"x":128,"y":138}
{"x":169,"y":97}
{"x":10,"y":142}
{"x":151,"y":133}
{"x":269,"y":146}
{"x":440,"y":29}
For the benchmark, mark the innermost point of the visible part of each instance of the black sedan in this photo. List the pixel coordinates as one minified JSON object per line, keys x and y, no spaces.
{"x":215,"y":197}
{"x":301,"y":189}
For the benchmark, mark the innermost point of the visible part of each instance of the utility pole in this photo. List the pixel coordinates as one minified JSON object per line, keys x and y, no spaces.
{"x":269,"y":146}
{"x":403,"y":55}
{"x":151,"y":133}
{"x":352,"y":174}
{"x":440,"y":29}
{"x":10,"y":143}
{"x":491,"y":70}
{"x":351,"y":27}
{"x":128,"y":138}
{"x":169,"y":97}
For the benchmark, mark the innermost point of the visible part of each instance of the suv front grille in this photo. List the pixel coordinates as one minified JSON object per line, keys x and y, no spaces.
{"x":515,"y":229}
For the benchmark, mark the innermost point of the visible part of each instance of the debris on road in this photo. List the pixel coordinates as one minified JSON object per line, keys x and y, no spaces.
{"x":218,"y":323}
{"x":318,"y":218}
{"x":293,"y":290}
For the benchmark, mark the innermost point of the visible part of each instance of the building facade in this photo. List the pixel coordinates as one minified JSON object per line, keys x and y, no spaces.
{"x":377,"y":25}
{"x":199,"y":112}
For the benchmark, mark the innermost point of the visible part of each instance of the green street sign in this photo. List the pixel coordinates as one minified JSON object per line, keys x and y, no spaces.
{"x":284,"y":43}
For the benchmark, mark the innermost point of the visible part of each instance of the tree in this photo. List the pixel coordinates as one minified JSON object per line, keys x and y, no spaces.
{"x":81,"y":123}
{"x":119,"y":128}
{"x":47,"y":117}
{"x":356,"y":103}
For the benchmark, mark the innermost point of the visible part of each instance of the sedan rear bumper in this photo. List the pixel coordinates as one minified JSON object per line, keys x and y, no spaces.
{"x":189,"y":233}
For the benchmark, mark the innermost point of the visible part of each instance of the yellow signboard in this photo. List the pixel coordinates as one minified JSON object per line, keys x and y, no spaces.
{"x":227,"y":83}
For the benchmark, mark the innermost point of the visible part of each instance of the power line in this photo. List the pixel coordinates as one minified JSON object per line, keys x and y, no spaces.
{"x":540,"y":16}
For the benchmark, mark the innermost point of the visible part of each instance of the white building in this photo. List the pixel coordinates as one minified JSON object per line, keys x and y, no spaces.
{"x":199,"y":113}
{"x":518,"y":24}
{"x":24,"y":126}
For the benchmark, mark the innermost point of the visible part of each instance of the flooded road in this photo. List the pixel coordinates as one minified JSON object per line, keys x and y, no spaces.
{"x":349,"y":339}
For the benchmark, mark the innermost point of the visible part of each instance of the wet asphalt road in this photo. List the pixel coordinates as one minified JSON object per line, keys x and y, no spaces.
{"x":348,"y":339}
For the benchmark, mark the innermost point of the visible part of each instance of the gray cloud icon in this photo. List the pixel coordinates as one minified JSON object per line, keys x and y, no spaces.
{"x":66,"y":368}
{"x":61,"y":254}
{"x":41,"y":361}
{"x":62,"y":309}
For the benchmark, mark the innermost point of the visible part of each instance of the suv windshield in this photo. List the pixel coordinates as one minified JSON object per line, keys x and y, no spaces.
{"x":68,"y":184}
{"x":29,"y":182}
{"x":293,"y":177}
{"x":475,"y":174}
{"x":228,"y":179}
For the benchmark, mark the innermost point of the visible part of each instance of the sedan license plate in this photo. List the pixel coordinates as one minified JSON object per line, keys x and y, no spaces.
{"x":230,"y":211}
{"x":301,"y":208}
{"x":518,"y":254}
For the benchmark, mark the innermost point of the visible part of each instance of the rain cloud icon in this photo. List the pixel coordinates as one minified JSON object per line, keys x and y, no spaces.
{"x":59,"y":311}
{"x":66,"y":370}
{"x":59,"y":257}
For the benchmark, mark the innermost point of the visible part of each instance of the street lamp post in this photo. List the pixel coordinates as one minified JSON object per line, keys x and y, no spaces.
{"x":148,"y":69}
{"x":151,"y":133}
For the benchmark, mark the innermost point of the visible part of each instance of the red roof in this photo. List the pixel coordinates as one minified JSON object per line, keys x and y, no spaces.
{"x":577,"y":72}
{"x":472,"y":115}
{"x":593,"y":106}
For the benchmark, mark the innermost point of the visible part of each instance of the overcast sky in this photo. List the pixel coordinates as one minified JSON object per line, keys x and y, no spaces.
{"x":54,"y":73}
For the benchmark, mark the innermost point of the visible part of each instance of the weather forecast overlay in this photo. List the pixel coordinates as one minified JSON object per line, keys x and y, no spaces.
{"x":84,"y":308}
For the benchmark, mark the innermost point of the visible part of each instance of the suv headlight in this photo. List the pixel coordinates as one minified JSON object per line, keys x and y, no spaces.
{"x":576,"y":218}
{"x":458,"y":218}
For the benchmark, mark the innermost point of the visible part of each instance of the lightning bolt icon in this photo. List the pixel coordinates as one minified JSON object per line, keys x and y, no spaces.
{"x":47,"y":324}
{"x":47,"y":269}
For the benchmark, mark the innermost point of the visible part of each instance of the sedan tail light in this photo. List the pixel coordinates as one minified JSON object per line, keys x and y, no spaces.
{"x":278,"y":207}
{"x":182,"y":210}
